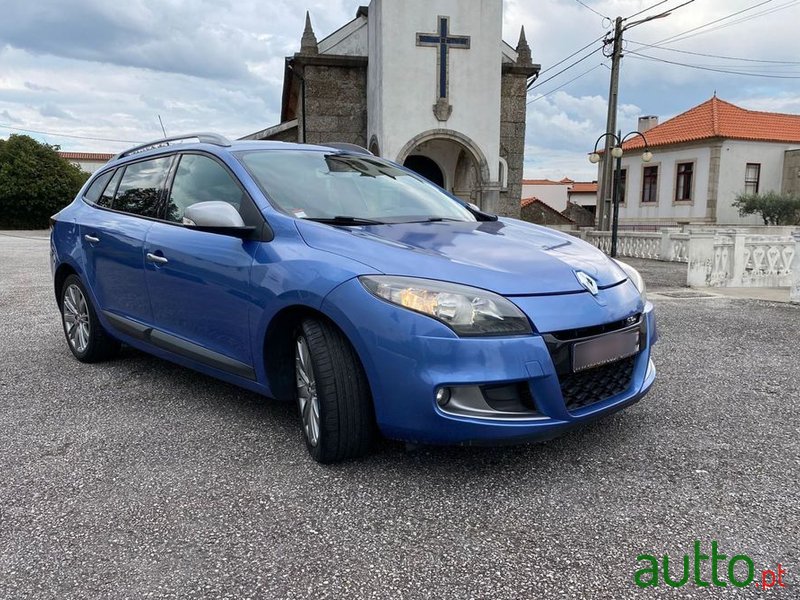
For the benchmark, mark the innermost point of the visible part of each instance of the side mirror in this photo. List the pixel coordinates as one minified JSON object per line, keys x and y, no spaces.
{"x":217,"y":217}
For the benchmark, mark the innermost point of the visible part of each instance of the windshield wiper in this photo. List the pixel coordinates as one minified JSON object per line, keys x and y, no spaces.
{"x":345,"y":220}
{"x":436,"y":220}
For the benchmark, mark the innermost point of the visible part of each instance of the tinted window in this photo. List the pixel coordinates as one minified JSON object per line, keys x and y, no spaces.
{"x":201,"y":179}
{"x":140,"y":190}
{"x":323,"y":185}
{"x":97,"y":187}
{"x":108,"y":194}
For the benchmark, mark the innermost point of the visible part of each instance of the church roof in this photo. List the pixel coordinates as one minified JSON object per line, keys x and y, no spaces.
{"x":717,"y":118}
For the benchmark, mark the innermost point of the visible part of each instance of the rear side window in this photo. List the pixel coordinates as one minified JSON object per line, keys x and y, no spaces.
{"x":97,"y":187}
{"x":107,"y":198}
{"x":201,"y":179}
{"x":141,"y":187}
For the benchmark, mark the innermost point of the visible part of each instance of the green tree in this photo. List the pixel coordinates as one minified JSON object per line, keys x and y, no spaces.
{"x":35,"y":182}
{"x":772,"y":207}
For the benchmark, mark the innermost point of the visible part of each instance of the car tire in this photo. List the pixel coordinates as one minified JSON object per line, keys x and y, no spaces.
{"x":86,"y":337}
{"x":332,"y":389}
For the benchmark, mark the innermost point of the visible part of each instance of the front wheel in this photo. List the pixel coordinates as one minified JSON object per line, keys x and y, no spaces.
{"x":333,"y":395}
{"x":86,"y":338}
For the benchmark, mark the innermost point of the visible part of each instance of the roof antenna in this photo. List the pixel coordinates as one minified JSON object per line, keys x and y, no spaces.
{"x":164,"y":131}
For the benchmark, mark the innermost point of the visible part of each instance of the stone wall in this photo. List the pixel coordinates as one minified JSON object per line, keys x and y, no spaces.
{"x":512,"y":139}
{"x":541,"y":214}
{"x":336,"y":102}
{"x":791,"y":173}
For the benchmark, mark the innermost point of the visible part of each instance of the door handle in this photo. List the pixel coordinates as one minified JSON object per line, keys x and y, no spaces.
{"x":154,"y":258}
{"x":91,"y":239}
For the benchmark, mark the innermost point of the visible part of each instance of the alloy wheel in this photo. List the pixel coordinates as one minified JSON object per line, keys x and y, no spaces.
{"x":76,"y":318}
{"x":307,"y":397}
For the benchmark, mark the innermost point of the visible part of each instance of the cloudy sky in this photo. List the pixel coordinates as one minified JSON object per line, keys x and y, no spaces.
{"x":103,"y":70}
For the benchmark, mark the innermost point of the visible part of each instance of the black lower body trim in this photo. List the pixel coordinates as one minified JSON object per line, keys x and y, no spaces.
{"x":179,"y":346}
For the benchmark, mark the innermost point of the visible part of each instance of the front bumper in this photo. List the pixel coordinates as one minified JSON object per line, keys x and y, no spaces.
{"x":408,"y":356}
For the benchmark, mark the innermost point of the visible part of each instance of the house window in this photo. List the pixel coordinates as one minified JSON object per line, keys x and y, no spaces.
{"x":752,"y":175}
{"x":623,"y":181}
{"x":650,"y":184}
{"x":683,"y":183}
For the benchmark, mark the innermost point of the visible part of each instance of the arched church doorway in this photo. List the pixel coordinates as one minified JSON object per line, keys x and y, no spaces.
{"x":426,"y":167}
{"x":451,"y":160}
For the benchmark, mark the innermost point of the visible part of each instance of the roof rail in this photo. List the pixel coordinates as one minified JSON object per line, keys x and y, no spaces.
{"x":203,"y":138}
{"x":354,"y":148}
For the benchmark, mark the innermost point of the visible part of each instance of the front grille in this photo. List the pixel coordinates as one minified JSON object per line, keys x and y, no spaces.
{"x":594,"y":385}
{"x":584,"y":332}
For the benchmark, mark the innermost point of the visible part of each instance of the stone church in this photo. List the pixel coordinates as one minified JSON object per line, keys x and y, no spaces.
{"x":426,"y":83}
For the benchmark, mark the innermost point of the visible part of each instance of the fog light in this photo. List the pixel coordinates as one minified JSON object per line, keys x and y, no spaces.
{"x":443,"y":396}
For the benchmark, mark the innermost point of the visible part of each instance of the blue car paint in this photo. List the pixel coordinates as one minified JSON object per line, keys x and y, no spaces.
{"x":223,"y":293}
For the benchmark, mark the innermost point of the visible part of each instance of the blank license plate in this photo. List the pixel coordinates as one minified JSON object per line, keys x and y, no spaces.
{"x":606,"y":349}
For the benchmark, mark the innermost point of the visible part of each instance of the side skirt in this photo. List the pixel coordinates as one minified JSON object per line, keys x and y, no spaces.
{"x":179,"y":346}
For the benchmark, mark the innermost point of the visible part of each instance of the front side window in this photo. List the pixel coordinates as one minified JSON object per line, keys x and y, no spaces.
{"x":201,"y":179}
{"x":319,"y":185}
{"x":752,"y":177}
{"x":140,"y":189}
{"x":683,"y":182}
{"x":650,"y":184}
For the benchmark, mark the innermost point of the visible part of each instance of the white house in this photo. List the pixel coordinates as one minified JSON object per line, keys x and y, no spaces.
{"x":702,"y":159}
{"x":87,"y":161}
{"x":557,"y":194}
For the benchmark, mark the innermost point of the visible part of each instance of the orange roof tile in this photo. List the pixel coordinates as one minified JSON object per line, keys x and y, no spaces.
{"x":86,"y":156}
{"x":584,"y":187}
{"x":541,"y":182}
{"x":716,"y":118}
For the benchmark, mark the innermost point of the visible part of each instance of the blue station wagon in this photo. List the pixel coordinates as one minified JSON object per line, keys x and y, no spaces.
{"x":341,"y":281}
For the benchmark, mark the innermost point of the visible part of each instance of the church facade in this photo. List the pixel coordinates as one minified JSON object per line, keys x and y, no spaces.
{"x":426,"y":83}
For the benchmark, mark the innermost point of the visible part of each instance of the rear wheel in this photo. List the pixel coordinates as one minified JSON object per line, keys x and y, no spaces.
{"x":86,"y":338}
{"x":332,"y":394}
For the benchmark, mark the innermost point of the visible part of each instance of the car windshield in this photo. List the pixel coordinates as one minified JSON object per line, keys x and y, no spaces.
{"x":348,"y":188}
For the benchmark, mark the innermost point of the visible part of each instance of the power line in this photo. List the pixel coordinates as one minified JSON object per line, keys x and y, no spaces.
{"x":707,"y":68}
{"x":566,"y":84}
{"x":738,"y":21}
{"x":567,"y":68}
{"x":591,"y":9}
{"x":753,"y":60}
{"x":725,"y":18}
{"x":578,"y":51}
{"x":64,"y":135}
{"x":644,"y":10}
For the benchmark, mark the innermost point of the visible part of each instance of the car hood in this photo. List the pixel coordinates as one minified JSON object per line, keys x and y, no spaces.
{"x":506,"y":256}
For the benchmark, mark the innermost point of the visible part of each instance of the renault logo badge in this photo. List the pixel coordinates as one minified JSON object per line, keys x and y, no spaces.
{"x":588,"y":282}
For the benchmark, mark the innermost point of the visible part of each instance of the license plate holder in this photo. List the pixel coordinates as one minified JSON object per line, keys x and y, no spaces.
{"x":605,"y":349}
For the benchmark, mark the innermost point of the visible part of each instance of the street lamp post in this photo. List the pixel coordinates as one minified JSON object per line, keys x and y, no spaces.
{"x":617,"y":152}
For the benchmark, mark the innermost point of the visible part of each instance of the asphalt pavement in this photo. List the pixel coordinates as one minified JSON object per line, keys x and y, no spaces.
{"x":140,"y":479}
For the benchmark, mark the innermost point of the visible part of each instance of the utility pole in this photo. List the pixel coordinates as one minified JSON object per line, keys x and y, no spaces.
{"x":607,"y":165}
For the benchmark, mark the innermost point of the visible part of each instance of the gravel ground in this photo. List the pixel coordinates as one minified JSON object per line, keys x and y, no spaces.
{"x":139,"y":479}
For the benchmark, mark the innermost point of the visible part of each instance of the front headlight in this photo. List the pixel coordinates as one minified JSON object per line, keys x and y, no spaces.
{"x":467,"y":311}
{"x":634,"y":276}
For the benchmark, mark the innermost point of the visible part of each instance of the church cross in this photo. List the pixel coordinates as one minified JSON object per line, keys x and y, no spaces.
{"x":443,"y":40}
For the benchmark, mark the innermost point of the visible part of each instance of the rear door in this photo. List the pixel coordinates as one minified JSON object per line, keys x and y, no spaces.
{"x":113,"y":236}
{"x":199,"y":282}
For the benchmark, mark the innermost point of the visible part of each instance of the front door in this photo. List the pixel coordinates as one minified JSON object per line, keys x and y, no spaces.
{"x":199,"y":282}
